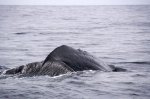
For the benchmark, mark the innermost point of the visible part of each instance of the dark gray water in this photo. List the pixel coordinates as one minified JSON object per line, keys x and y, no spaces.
{"x":119,"y":35}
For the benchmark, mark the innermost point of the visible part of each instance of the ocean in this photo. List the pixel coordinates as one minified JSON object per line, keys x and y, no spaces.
{"x":118,"y":35}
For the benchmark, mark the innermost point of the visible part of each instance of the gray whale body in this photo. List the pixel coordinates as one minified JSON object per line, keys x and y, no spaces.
{"x":62,"y":60}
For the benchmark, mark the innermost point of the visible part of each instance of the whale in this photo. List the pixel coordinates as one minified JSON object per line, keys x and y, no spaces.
{"x":62,"y":60}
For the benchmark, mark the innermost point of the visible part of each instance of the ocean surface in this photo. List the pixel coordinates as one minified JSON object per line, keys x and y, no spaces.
{"x":118,"y":35}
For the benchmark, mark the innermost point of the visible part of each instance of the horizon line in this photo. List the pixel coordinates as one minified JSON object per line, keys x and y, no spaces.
{"x":75,"y":4}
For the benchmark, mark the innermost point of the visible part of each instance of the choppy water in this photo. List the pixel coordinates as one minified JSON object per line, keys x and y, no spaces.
{"x":119,"y":35}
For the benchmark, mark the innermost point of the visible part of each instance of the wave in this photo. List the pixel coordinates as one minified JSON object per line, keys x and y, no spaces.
{"x":137,"y":62}
{"x":20,"y":33}
{"x":3,"y":67}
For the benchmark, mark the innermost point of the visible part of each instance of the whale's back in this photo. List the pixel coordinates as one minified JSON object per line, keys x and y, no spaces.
{"x":77,"y":59}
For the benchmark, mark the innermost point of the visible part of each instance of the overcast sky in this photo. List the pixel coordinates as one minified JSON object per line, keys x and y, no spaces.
{"x":74,"y":2}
